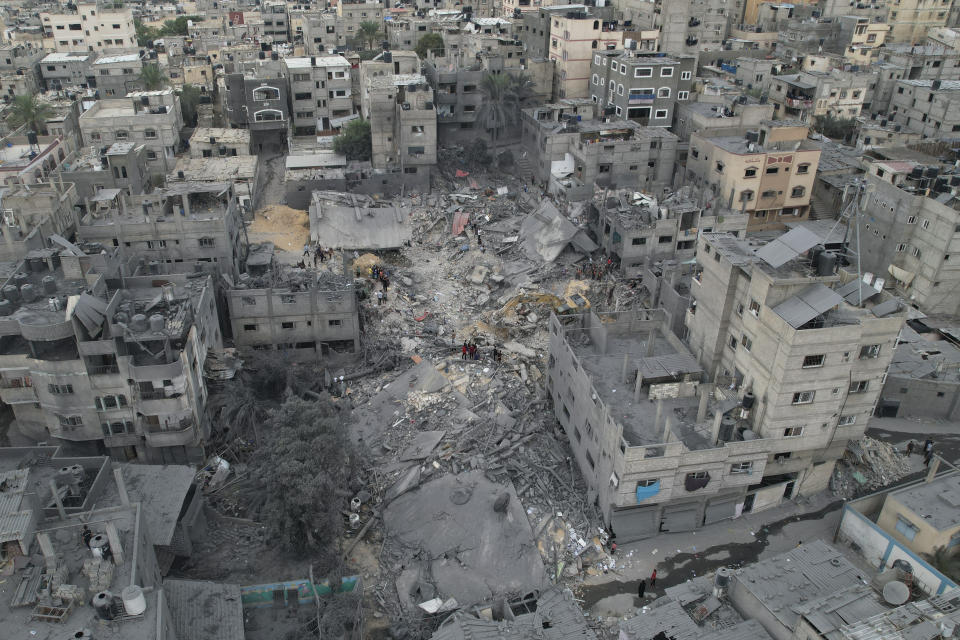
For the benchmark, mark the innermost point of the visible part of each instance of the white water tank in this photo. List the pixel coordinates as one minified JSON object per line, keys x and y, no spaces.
{"x":157,"y":322}
{"x":134,"y":603}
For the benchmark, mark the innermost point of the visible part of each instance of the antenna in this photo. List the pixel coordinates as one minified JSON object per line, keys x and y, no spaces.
{"x":854,"y":211}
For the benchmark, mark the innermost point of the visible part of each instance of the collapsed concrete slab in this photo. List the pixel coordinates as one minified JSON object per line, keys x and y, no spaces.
{"x":457,"y":546}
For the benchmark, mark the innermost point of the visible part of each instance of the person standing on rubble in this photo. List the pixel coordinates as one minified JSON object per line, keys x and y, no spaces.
{"x":379,"y":298}
{"x":641,"y":588}
{"x":463,"y":353}
{"x":653,"y":579}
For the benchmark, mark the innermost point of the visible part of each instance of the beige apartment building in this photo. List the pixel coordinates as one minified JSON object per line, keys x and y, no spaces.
{"x":89,"y":28}
{"x":768,"y":173}
{"x":909,"y":20}
{"x":863,"y":39}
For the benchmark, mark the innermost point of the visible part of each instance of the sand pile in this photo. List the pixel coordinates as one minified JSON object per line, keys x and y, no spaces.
{"x":288,"y":229}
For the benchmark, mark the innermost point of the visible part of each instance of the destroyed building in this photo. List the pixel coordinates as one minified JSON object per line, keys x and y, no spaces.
{"x":33,"y":213}
{"x":768,"y":173}
{"x":645,"y":426}
{"x":803,"y":345}
{"x":150,"y":118}
{"x":306,"y":313}
{"x":83,"y":362}
{"x":211,"y":142}
{"x":185,"y":222}
{"x":243,"y":172}
{"x":639,"y":229}
{"x":551,"y":615}
{"x":121,"y":165}
{"x":570,"y":152}
{"x":355,"y":223}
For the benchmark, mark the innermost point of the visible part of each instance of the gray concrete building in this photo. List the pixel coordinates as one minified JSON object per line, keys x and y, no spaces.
{"x":20,"y":69}
{"x":729,"y":116}
{"x":924,"y":377}
{"x":309,"y":315}
{"x":642,"y":87}
{"x":691,"y":26}
{"x":63,"y":70}
{"x":183,"y":223}
{"x":257,"y":99}
{"x":101,"y":372}
{"x":321,"y":94}
{"x":276,"y":22}
{"x":117,"y":75}
{"x":32,"y":214}
{"x":149,"y":118}
{"x":212,"y":142}
{"x":783,"y":328}
{"x":569,"y":152}
{"x":927,"y":107}
{"x":122,"y":165}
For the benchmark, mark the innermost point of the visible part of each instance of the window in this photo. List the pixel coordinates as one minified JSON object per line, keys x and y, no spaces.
{"x":697,"y":475}
{"x":660,"y":114}
{"x":121,"y":135}
{"x":268,"y":115}
{"x":772,"y":171}
{"x":746,"y":196}
{"x":663,"y":92}
{"x":664,"y":239}
{"x":156,"y":244}
{"x":288,"y":298}
{"x":859,"y":386}
{"x":846,"y":421}
{"x":151,"y":155}
{"x":915,"y":252}
{"x":262,"y":94}
{"x":803,"y":397}
{"x":208,"y":242}
{"x":906,"y":528}
{"x":741,"y":467}
{"x":70,"y":421}
{"x":638,"y":241}
{"x":746,"y":342}
{"x":249,"y":327}
{"x":648,"y":482}
{"x":150,"y":134}
{"x":719,"y":167}
{"x":797,"y":192}
{"x":733,"y":343}
{"x":925,"y":224}
{"x":334,"y":323}
{"x":901,"y":247}
{"x":60,"y":389}
{"x":666,"y":72}
{"x":739,"y":308}
{"x":809,"y":362}
{"x":754,"y":307}
{"x":912,"y":220}
{"x":750,"y":172}
{"x":792,"y":432}
{"x":869,"y":351}
{"x":803,"y":168}
{"x":642,"y":72}
{"x":683,"y":95}
{"x":286,"y":325}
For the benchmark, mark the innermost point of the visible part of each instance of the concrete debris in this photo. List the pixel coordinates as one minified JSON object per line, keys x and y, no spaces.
{"x":867,"y":464}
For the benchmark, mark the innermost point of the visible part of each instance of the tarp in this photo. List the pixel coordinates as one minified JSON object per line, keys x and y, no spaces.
{"x":648,"y":492}
{"x":460,"y":220}
{"x":904,"y":276}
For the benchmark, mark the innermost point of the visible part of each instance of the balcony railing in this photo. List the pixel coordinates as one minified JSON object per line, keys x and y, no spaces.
{"x":103,"y":370}
{"x":797,"y":103}
{"x":181,"y":433}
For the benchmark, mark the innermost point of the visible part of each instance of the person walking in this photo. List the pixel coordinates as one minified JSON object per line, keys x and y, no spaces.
{"x":641,"y":588}
{"x":463,"y":353}
{"x":653,"y":579}
{"x":379,"y":298}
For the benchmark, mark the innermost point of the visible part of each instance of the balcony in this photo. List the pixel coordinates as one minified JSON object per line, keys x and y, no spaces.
{"x":798,"y":103}
{"x":156,"y":371}
{"x":121,"y":440}
{"x":17,"y":394}
{"x":180,"y":434}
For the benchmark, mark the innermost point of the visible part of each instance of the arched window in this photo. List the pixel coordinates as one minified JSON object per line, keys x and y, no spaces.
{"x":596,"y":24}
{"x":261,"y":94}
{"x":268,"y":115}
{"x":594,"y":45}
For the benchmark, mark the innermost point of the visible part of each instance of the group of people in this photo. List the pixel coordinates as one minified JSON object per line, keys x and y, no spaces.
{"x":470,"y":351}
{"x":319,"y":255}
{"x":381,"y":275}
{"x":594,"y":270}
{"x":927,"y":451}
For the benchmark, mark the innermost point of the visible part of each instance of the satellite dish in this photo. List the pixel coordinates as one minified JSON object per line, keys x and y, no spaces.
{"x":896,"y":593}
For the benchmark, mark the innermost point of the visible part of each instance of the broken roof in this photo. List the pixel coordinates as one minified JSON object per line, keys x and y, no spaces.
{"x":546,"y":232}
{"x":343,"y":221}
{"x":162,"y":490}
{"x":557,"y":617}
{"x":204,"y":610}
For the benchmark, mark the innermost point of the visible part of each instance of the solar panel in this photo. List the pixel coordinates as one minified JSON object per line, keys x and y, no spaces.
{"x":782,"y":250}
{"x":886,"y":308}
{"x":807,"y":305}
{"x":849,"y":291}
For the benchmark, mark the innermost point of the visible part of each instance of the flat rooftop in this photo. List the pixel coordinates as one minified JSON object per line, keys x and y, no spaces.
{"x":317,"y":62}
{"x":127,"y":57}
{"x":223,"y":135}
{"x":215,"y":169}
{"x":741,"y":146}
{"x":937,"y":502}
{"x":925,"y":356}
{"x":401,"y":80}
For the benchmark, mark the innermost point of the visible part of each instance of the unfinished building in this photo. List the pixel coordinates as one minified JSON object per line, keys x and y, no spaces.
{"x":83,"y":362}
{"x":306,"y":313}
{"x":31,"y":214}
{"x":185,"y":222}
{"x":570,"y":152}
{"x":645,"y":426}
{"x":121,"y":165}
{"x":804,"y":347}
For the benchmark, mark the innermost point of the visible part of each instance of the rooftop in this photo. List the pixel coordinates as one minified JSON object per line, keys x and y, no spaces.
{"x":64,"y":57}
{"x":944,"y":85}
{"x":316,"y":62}
{"x":937,"y":502}
{"x":223,"y":136}
{"x":740,"y":145}
{"x":127,"y":57}
{"x":349,"y":221}
{"x":925,"y":356}
{"x":204,"y":610}
{"x":400,"y":80}
{"x":215,"y":169}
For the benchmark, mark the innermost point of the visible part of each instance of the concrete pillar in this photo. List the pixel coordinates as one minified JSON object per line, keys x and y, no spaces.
{"x":932,"y":469}
{"x":626,"y":361}
{"x":667,"y":433}
{"x":706,"y":390}
{"x":651,"y":341}
{"x":656,"y":420}
{"x":121,"y":486}
{"x":115,"y":547}
{"x":636,"y":388}
{"x":49,"y":555}
{"x":56,"y":498}
{"x":715,"y":432}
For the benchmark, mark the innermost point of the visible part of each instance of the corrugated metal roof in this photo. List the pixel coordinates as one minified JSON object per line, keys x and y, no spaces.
{"x":13,"y":526}
{"x":204,"y":610}
{"x":669,"y":618}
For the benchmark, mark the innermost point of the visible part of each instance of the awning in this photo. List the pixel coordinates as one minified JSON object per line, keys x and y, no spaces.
{"x":904,"y":276}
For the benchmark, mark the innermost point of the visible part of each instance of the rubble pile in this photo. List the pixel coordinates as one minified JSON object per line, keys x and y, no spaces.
{"x":867,"y":464}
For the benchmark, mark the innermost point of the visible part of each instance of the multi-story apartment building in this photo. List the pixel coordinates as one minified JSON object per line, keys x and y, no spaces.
{"x":570,"y":152}
{"x":910,"y":232}
{"x":862,"y":39}
{"x":257,"y":99}
{"x":403,"y":118}
{"x":121,"y":369}
{"x":910,"y":20}
{"x":150,"y":118}
{"x":320,"y":91}
{"x":927,"y":107}
{"x":731,"y":115}
{"x":19,"y":69}
{"x":691,"y":26}
{"x":307,"y":318}
{"x":276,"y":22}
{"x":645,"y":88}
{"x":185,"y":222}
{"x":803,"y":96}
{"x":117,"y":75}
{"x":89,"y":26}
{"x":63,"y":70}
{"x":208,"y":142}
{"x":31,"y":214}
{"x":768,"y":174}
{"x":570,"y":35}
{"x":806,"y":346}
{"x":122,"y":165}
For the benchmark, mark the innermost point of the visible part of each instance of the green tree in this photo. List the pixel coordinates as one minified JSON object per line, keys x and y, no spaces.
{"x":834,"y":127}
{"x":27,"y":110}
{"x":503,"y":97}
{"x":432,"y":42}
{"x":153,"y":77}
{"x":189,"y":99}
{"x":305,"y":468}
{"x":178,"y":26}
{"x":145,"y":33}
{"x":369,"y":33}
{"x":354,"y":140}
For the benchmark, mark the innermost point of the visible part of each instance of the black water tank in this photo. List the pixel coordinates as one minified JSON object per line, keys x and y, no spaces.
{"x":748,"y":400}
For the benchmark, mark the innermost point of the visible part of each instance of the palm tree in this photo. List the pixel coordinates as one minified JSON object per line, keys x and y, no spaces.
{"x":369,"y":33}
{"x":153,"y":77}
{"x":28,"y":110}
{"x":504,"y":95}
